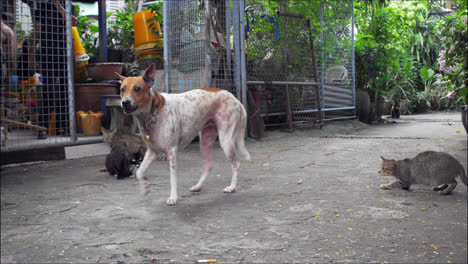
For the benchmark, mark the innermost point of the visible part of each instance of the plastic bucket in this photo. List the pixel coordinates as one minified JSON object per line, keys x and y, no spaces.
{"x":142,"y":32}
{"x":90,"y":123}
{"x":77,"y":46}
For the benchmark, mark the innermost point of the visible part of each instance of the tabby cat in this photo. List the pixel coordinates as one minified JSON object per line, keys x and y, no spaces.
{"x":438,"y":169}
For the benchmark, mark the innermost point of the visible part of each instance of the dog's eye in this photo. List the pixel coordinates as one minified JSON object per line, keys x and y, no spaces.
{"x":122,"y":90}
{"x":137,"y":89}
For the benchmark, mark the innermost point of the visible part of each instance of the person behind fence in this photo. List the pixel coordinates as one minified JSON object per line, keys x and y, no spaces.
{"x":49,"y":18}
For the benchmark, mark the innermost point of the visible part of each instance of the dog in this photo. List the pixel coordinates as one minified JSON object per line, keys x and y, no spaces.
{"x":169,"y":122}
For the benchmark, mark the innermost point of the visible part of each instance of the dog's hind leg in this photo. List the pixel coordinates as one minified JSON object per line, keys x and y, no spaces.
{"x":227,"y":143}
{"x":207,"y":137}
{"x":150,"y":155}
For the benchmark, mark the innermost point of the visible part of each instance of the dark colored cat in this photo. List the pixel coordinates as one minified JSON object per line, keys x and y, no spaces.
{"x":430,"y":168}
{"x":118,"y":164}
{"x":127,"y":151}
{"x":395,"y":111}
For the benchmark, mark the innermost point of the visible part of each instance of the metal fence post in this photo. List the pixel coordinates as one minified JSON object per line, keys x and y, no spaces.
{"x":242,"y":63}
{"x":322,"y":62}
{"x":207,"y":36}
{"x":353,"y":64}
{"x":237,"y":68}
{"x":70,"y":75}
{"x":167,"y":53}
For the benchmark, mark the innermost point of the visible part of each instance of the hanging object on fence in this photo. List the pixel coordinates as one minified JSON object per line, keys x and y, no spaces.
{"x":147,"y":44}
{"x":81,"y":58}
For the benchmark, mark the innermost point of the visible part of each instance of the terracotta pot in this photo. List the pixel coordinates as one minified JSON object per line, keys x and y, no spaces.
{"x":104,"y":71}
{"x":88,"y":95}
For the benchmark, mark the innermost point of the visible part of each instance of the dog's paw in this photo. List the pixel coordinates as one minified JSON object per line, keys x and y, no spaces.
{"x":229,"y":189}
{"x":195,"y":188}
{"x":385,"y":186}
{"x":145,"y":189}
{"x":144,"y":186}
{"x":171,"y":201}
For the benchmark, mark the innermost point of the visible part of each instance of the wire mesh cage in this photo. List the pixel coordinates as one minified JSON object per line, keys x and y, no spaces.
{"x":35,"y":79}
{"x":281,"y":67}
{"x":199,"y":53}
{"x":336,"y":59}
{"x":288,"y":54}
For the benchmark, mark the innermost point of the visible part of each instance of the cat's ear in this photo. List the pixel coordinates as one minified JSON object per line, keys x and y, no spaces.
{"x":108,"y":134}
{"x":383,"y":158}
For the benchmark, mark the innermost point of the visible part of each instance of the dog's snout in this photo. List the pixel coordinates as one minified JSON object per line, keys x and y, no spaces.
{"x":126,"y":105}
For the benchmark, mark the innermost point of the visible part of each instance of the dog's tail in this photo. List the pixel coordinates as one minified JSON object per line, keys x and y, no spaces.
{"x":240,"y":144}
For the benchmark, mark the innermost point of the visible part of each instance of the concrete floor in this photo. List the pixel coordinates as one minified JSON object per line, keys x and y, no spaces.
{"x":69,"y":212}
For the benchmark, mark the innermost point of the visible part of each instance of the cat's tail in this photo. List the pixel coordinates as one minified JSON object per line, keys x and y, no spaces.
{"x":462,"y":175}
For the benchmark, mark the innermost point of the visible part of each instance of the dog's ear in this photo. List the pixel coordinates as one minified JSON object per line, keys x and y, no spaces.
{"x":119,"y":76}
{"x":158,"y":100}
{"x":148,"y":76}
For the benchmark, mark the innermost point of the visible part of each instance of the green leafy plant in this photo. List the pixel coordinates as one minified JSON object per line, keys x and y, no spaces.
{"x":395,"y":41}
{"x":158,"y":18}
{"x":120,"y":32}
{"x":428,"y":76}
{"x":453,"y":54}
{"x":87,"y":32}
{"x":152,"y":22}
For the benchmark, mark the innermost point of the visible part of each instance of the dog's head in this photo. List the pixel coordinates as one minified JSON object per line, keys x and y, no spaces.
{"x":136,"y":92}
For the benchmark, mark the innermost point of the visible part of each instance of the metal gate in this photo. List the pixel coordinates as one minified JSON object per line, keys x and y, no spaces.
{"x":36,"y":80}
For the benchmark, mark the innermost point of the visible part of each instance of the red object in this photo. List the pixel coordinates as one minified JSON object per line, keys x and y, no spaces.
{"x":256,"y":97}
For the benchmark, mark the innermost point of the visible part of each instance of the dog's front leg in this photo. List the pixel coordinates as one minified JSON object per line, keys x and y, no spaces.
{"x":150,"y":155}
{"x":172,"y":157}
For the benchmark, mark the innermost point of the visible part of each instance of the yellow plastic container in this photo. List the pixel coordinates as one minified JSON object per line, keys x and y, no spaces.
{"x":90,"y":123}
{"x":142,"y":32}
{"x":77,"y":46}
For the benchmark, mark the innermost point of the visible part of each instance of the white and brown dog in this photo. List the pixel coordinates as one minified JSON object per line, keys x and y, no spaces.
{"x":169,"y":122}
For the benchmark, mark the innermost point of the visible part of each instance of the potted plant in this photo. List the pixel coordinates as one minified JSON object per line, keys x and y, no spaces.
{"x":120,"y":35}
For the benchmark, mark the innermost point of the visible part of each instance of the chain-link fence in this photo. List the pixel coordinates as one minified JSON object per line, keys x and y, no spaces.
{"x":281,"y":68}
{"x":335,"y":56}
{"x":287,"y":55}
{"x":35,"y":74}
{"x":289,"y":69}
{"x":200,"y":49}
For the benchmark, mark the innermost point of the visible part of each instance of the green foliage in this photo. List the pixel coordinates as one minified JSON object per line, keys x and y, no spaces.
{"x":428,"y":77}
{"x":87,"y":32}
{"x":120,"y":33}
{"x":156,"y":8}
{"x":453,"y":54}
{"x":396,"y":49}
{"x":152,"y":22}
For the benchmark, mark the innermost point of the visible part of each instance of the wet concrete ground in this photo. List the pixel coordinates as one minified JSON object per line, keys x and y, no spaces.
{"x":69,"y":212}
